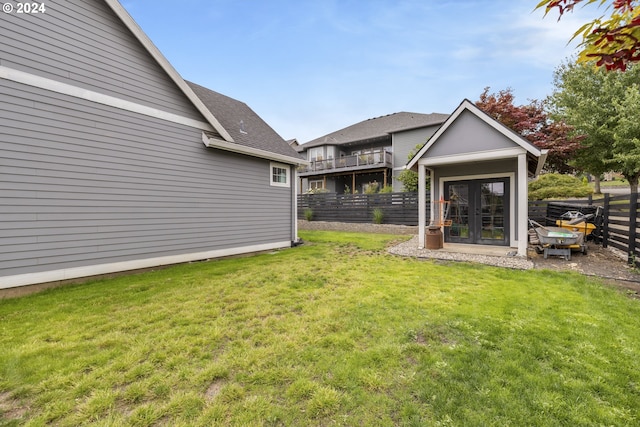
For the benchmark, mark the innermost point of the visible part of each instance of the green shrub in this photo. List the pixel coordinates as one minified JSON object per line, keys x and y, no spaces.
{"x":308,"y":214}
{"x":371,"y":188}
{"x":378,"y":216}
{"x":557,"y":186}
{"x":387,"y":189}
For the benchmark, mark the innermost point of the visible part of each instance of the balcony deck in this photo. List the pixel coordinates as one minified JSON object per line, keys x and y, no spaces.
{"x":376,"y":160}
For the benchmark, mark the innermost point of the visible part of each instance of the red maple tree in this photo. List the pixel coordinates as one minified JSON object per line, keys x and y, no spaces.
{"x":532,"y":122}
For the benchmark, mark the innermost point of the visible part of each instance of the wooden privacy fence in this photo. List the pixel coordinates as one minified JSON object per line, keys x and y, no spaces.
{"x":620,"y":219}
{"x":397,"y":208}
{"x":620,"y":213}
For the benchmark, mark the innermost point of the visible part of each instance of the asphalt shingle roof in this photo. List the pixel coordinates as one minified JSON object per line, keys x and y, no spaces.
{"x":377,"y":128}
{"x":243,"y":124}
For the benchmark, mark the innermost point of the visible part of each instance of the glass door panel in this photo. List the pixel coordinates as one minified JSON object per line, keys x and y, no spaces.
{"x":492,"y":213}
{"x":478,"y":211}
{"x":458,"y":196}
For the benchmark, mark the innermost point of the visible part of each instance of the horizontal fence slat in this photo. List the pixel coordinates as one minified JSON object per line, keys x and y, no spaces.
{"x":397,"y":208}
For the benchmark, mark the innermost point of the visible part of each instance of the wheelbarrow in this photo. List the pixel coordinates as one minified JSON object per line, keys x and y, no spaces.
{"x":557,"y":241}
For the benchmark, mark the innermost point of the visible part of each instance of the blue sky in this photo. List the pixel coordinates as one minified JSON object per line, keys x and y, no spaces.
{"x":309,"y":68}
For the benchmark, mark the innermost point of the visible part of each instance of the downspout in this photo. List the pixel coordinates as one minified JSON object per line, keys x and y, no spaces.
{"x":294,"y":209}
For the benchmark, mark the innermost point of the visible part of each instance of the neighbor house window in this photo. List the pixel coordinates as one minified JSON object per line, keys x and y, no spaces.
{"x":279,"y":175}
{"x":316,"y":154}
{"x":316,"y":184}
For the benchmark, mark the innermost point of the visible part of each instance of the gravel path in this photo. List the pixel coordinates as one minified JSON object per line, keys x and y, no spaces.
{"x":410,"y":248}
{"x":357,"y":227}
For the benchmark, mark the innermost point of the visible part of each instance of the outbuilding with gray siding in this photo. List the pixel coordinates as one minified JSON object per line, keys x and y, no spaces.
{"x":479,"y":171}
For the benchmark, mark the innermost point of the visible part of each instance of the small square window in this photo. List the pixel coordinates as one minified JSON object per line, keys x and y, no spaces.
{"x":279,"y":175}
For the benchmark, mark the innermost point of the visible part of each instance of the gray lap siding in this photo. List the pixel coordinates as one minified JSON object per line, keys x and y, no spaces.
{"x":84,"y":184}
{"x":83,"y":43}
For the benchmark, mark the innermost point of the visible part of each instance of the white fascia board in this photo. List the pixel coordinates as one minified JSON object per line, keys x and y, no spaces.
{"x":99,"y":98}
{"x":117,"y":267}
{"x":470,"y":106}
{"x":133,"y":26}
{"x":541,"y":161}
{"x":478,"y":156}
{"x":249,"y":151}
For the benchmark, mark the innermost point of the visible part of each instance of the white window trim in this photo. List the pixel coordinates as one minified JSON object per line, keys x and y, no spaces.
{"x":273,"y":165}
{"x":316,"y":181}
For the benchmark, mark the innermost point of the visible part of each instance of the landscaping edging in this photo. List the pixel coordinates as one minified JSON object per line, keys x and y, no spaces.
{"x":357,"y":227}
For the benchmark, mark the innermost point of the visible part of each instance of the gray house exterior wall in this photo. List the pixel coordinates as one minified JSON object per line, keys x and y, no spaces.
{"x":469,"y":134}
{"x":403,"y":143}
{"x":90,"y":188}
{"x":83,"y":43}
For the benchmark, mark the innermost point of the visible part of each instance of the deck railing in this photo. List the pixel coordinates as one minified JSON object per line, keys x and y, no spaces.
{"x":375,"y":159}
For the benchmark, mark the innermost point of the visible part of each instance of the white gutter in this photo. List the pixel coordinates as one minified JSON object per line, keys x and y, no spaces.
{"x":249,"y":151}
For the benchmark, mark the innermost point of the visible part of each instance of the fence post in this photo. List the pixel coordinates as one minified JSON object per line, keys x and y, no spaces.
{"x":633,"y":222}
{"x":605,"y":221}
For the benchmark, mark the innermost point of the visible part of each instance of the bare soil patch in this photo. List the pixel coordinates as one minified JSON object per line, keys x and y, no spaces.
{"x":606,"y":263}
{"x":213,"y":390}
{"x":10,"y":409}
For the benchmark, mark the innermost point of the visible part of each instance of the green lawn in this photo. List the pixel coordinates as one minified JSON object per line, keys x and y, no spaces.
{"x":615,"y":183}
{"x":329,"y":333}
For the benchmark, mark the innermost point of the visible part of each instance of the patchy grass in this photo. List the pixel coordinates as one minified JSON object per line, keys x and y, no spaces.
{"x":333,"y":332}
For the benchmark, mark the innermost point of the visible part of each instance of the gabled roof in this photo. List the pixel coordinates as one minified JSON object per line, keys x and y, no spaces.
{"x":243,"y":124}
{"x":219,"y":111}
{"x":467,"y":105}
{"x":377,"y":128}
{"x":146,"y":42}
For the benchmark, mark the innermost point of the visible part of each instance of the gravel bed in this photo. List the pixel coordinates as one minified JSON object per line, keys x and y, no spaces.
{"x":410,"y":249}
{"x":357,"y":227}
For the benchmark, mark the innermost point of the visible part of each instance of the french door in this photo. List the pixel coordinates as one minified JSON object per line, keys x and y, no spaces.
{"x":479,"y":211}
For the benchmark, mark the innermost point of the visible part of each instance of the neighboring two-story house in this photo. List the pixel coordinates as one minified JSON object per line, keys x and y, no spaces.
{"x":367,"y":154}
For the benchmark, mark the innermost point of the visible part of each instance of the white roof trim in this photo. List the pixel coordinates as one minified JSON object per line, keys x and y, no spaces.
{"x":166,"y":66}
{"x":471,"y":107}
{"x":255,"y":152}
{"x":479,"y":156}
{"x":97,"y":97}
{"x":541,"y":160}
